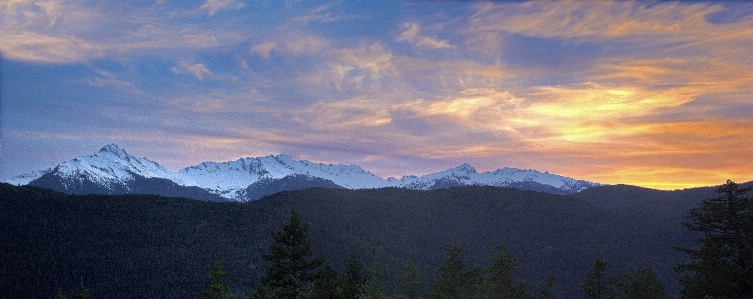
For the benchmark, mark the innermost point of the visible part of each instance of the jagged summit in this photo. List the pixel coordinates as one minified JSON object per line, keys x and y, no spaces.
{"x":114,"y":168}
{"x":112,"y":148}
{"x":116,"y":151}
{"x":465,"y":167}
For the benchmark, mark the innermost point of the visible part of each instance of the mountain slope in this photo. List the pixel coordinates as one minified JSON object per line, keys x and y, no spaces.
{"x":136,"y":246}
{"x":114,"y":171}
{"x":291,"y":182}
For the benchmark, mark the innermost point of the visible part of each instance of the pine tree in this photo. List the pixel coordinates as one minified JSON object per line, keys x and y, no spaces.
{"x":260,"y":292}
{"x":355,"y":276}
{"x":291,"y":272}
{"x":596,"y":284}
{"x":373,"y":288}
{"x":640,"y":284}
{"x":723,"y":266}
{"x":60,"y":294}
{"x":546,"y":289}
{"x":500,"y":281}
{"x":456,"y":278}
{"x":327,"y":284}
{"x":217,"y":290}
{"x":411,"y":281}
{"x":82,"y":292}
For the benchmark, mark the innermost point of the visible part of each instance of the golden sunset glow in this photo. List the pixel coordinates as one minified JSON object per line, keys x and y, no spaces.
{"x":655,"y":94}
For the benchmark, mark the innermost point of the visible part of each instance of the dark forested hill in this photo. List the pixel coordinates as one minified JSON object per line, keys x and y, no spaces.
{"x":133,"y":246}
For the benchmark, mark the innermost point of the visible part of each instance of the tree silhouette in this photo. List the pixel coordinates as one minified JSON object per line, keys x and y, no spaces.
{"x":500,"y":282}
{"x":457,"y":279}
{"x":640,"y":284}
{"x":723,"y":266}
{"x":291,"y":272}
{"x":411,"y":281}
{"x":596,"y":284}
{"x":217,"y":289}
{"x":355,"y":276}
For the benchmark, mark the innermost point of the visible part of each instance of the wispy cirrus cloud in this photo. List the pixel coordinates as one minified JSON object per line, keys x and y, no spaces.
{"x":212,"y":6}
{"x":674,"y":21}
{"x":322,"y":13}
{"x":71,"y":31}
{"x":411,"y":35}
{"x":111,"y":80}
{"x":351,"y":114}
{"x":263,"y":49}
{"x":196,"y":69}
{"x":359,"y":67}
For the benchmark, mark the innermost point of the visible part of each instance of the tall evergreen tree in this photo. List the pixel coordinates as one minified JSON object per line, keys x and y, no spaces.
{"x":355,"y":276}
{"x":261,"y":292}
{"x":217,"y":289}
{"x":723,"y":266}
{"x":411,"y":281}
{"x":546,"y":289}
{"x":292,"y":270}
{"x":82,"y":292}
{"x":60,"y":294}
{"x":373,"y":288}
{"x":500,"y":281}
{"x":640,"y":284}
{"x":596,"y":284}
{"x":327,"y":284}
{"x":457,"y":279}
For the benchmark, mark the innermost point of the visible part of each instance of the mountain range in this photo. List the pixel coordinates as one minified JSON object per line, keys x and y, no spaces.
{"x":113,"y":171}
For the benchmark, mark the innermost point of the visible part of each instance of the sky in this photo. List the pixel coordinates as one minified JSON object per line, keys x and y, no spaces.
{"x":654,"y":94}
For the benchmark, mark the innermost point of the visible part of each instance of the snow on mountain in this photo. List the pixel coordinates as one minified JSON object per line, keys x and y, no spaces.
{"x":230,"y":179}
{"x":466,"y":174}
{"x":26,"y":178}
{"x":110,"y":165}
{"x":113,"y":166}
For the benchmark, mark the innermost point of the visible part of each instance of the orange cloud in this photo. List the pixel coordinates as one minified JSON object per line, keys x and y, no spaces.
{"x":603,"y":19}
{"x":345,"y":115}
{"x":619,"y":131}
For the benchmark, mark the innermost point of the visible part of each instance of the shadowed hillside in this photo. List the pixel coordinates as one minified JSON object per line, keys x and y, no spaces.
{"x":134,"y":246}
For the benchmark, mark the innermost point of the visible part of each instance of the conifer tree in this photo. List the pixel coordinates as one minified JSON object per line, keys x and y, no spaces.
{"x":723,"y":266}
{"x":328,"y":284}
{"x":373,"y":288}
{"x":457,"y":279}
{"x":640,"y":284}
{"x":355,"y":276}
{"x":217,"y":289}
{"x":82,"y":292}
{"x":411,"y":281}
{"x":261,"y":292}
{"x":291,"y":271}
{"x":596,"y":284}
{"x":500,"y":281}
{"x":60,"y":294}
{"x":546,"y":289}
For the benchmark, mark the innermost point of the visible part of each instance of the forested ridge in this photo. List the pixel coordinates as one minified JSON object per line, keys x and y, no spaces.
{"x":141,"y":246}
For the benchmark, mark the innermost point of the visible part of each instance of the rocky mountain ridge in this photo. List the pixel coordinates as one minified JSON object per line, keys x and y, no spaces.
{"x":112,"y":170}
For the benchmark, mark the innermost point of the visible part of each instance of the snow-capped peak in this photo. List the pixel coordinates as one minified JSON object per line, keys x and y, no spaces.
{"x":112,"y":165}
{"x":463,"y":168}
{"x":26,"y":178}
{"x":114,"y":149}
